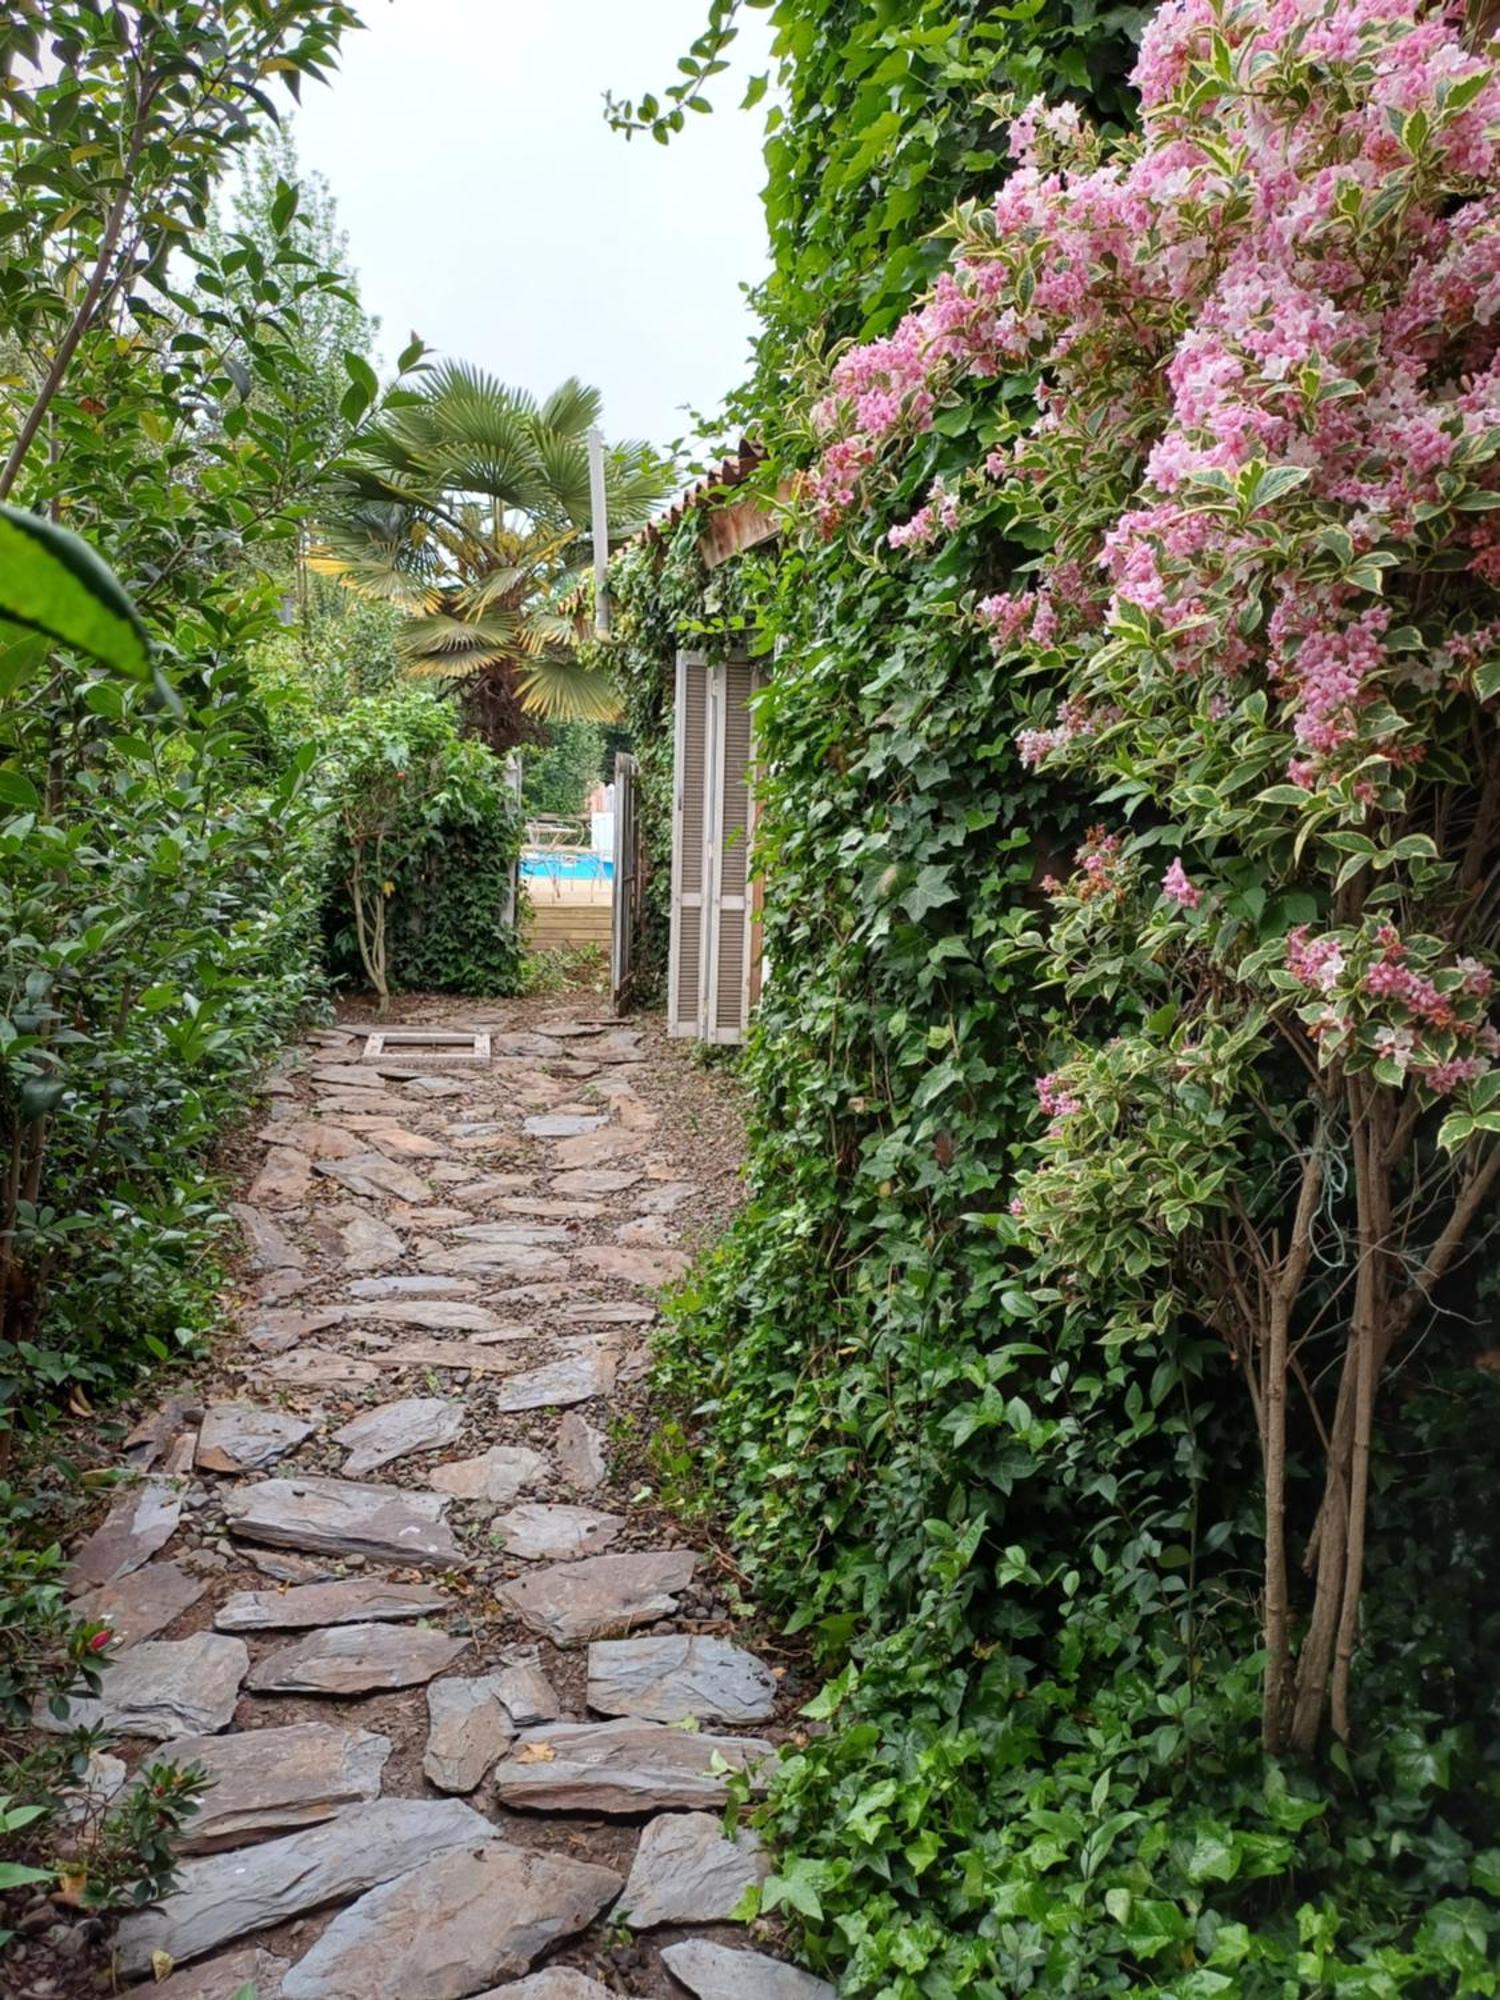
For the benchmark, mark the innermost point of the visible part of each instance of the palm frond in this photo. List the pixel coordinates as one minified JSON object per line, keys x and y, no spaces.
{"x":573,"y":408}
{"x":561,"y":689}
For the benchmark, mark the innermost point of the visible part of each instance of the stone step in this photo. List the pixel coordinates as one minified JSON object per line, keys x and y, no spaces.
{"x":623,"y":1767}
{"x":344,"y":1517}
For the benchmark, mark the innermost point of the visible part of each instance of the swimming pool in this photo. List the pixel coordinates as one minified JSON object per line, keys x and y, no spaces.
{"x":539,"y":865}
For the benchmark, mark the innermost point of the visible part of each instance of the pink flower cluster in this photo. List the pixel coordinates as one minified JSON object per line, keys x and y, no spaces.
{"x":939,"y":512}
{"x":1056,"y":1100}
{"x":1176,"y":887}
{"x":1316,"y":962}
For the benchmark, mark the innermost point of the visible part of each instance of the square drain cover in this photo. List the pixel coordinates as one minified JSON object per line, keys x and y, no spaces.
{"x":441,"y":1044}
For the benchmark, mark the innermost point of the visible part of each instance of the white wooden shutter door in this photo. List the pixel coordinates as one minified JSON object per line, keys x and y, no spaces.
{"x":728,"y":1008}
{"x":686,"y":969}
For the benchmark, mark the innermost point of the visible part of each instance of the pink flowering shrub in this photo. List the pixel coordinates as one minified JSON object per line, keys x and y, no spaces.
{"x":1262,"y":463}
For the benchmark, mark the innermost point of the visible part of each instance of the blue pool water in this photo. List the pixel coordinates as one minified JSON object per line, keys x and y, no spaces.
{"x":567,"y":867}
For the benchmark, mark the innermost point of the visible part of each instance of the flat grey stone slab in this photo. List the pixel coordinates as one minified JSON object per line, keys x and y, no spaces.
{"x":376,"y":1177}
{"x":561,"y":1125}
{"x":399,"y":1144}
{"x":244,"y":1437}
{"x":436,"y":1316}
{"x":284,"y":1180}
{"x":597,"y":1149}
{"x":555,"y":1533}
{"x":622,"y":1767}
{"x":434,"y":1086}
{"x":137,"y":1606}
{"x":580,"y":1453}
{"x":369,"y":1243}
{"x":591,"y":1181}
{"x":223,"y":1978}
{"x":428,"y":1354}
{"x":614,"y":1312}
{"x":550,"y":1209}
{"x":719,"y":1972}
{"x":468,"y":1726}
{"x":493,"y":1187}
{"x":455,"y":1923}
{"x":275,"y":1331}
{"x":415,"y":1423}
{"x":535,"y":1233}
{"x":528,"y":1695}
{"x":527,"y":1259}
{"x":140,"y":1521}
{"x":576,"y":1378}
{"x":421,"y":1285}
{"x":665,"y":1198}
{"x":270,"y":1780}
{"x":685,"y":1871}
{"x":319,"y":1368}
{"x":573,"y":1603}
{"x":672,"y":1677}
{"x":633,"y":1266}
{"x":352,"y":1659}
{"x":344,"y":1517}
{"x":226,"y":1896}
{"x":316,"y":1137}
{"x":553,"y":1982}
{"x":269,"y":1247}
{"x":359,"y":1601}
{"x":498,"y":1474}
{"x":162,"y":1688}
{"x":522,"y":1042}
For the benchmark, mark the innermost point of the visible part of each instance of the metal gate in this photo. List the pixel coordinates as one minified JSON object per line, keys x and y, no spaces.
{"x":628,"y":884}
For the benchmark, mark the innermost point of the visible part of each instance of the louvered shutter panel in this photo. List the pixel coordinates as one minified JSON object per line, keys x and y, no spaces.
{"x":729,"y":977}
{"x":690,"y":818}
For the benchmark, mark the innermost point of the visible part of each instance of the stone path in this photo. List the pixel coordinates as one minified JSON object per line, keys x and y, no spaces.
{"x":470,"y":1703}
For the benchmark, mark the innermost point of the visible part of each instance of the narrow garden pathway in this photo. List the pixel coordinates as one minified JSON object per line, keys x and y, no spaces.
{"x":470,"y":1700}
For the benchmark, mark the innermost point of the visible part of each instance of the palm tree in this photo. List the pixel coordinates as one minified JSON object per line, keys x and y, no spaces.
{"x":468,"y":507}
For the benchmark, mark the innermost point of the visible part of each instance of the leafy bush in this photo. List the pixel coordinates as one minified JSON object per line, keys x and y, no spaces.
{"x":558,"y":775}
{"x":426,"y":830}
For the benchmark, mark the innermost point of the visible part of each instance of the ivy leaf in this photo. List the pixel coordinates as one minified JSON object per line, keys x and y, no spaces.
{"x":930,"y":891}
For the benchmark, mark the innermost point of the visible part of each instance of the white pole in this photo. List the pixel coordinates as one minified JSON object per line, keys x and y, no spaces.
{"x":599,"y":507}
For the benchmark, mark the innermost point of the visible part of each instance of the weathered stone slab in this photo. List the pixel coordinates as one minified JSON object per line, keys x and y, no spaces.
{"x":526,"y":1258}
{"x":225,"y":1896}
{"x":545,"y":1532}
{"x":284,"y":1180}
{"x":162,"y":1688}
{"x":319,"y":1368}
{"x":224,"y":1978}
{"x":243,"y":1437}
{"x":524,"y":1043}
{"x":374,"y":1176}
{"x":719,"y":1972}
{"x":574,"y":1379}
{"x":553,"y":1982}
{"x":438,"y":1315}
{"x":457,"y":1922}
{"x":573,"y":1603}
{"x":561,"y":1125}
{"x":399,"y":1144}
{"x":464,"y":1354}
{"x":270,"y":1780}
{"x":666,"y":1198}
{"x":551,"y":1209}
{"x":421,"y":1285}
{"x":352,"y":1659}
{"x":313,"y":1136}
{"x":415,"y":1423}
{"x":498,"y":1474}
{"x":597,"y":1149}
{"x":622,"y":1767}
{"x":358,"y":1601}
{"x":686,"y":1872}
{"x":528,"y":1695}
{"x":146,"y":1441}
{"x":274,"y":1332}
{"x":635,"y":1266}
{"x":433,"y":1086}
{"x":535,"y":1233}
{"x":136,"y":1606}
{"x":143,"y":1519}
{"x":595,"y":1181}
{"x":269,"y":1248}
{"x":668,"y":1678}
{"x":493,"y":1187}
{"x":627,"y":1312}
{"x":646,"y":1232}
{"x":369,"y":1243}
{"x":580,"y":1453}
{"x":468,"y":1726}
{"x":344,"y":1517}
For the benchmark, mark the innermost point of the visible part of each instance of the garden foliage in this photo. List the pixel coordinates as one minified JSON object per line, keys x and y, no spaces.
{"x":1199,"y":853}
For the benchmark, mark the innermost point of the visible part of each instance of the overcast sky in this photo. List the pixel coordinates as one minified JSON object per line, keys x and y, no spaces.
{"x":491,"y":209}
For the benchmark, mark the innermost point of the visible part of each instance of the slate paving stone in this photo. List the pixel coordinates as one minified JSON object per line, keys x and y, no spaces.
{"x":524,"y":1258}
{"x":576,"y":1378}
{"x":369,"y":1243}
{"x":434,"y":1086}
{"x":161,"y":1688}
{"x":648,"y":1267}
{"x":537,"y":1233}
{"x":493,"y":1187}
{"x":455,"y":1354}
{"x":142,"y":1520}
{"x":573,"y":1603}
{"x":274,"y":1332}
{"x":527,"y":1694}
{"x":419,"y":1285}
{"x":624,"y":1312}
{"x":373,"y":1175}
{"x":145,"y":1441}
{"x":353,"y":1659}
{"x":344,"y":1517}
{"x":395,"y":1430}
{"x":284,"y":1180}
{"x":468,"y":1726}
{"x":269,"y":1247}
{"x":244,"y":1437}
{"x":357,"y":1601}
{"x":591,"y":1181}
{"x":319,"y":1368}
{"x":581,"y":1453}
{"x":267,"y":1781}
{"x":498,"y":1474}
{"x":665,"y":1199}
{"x":226,"y":1896}
{"x":686,"y":1871}
{"x":623,"y":1767}
{"x":399,"y":1144}
{"x":459,"y":1921}
{"x":553,"y":1982}
{"x":670,"y":1677}
{"x":561,"y":1125}
{"x":436,"y":1315}
{"x":546,"y":1532}
{"x":550,"y":1209}
{"x":719,"y":1972}
{"x":597,"y":1149}
{"x":224,"y":1978}
{"x":137,"y":1606}
{"x":318,"y":1138}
